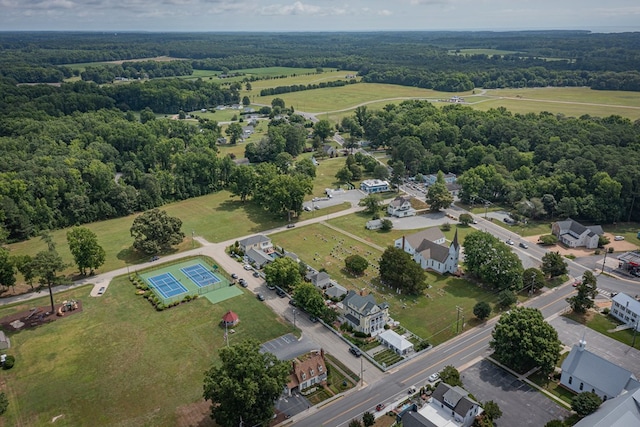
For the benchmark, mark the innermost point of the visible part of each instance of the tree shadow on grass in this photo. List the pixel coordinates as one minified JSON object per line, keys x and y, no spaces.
{"x":262,"y":219}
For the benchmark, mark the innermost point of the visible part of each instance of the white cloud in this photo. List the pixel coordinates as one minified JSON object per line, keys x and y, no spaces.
{"x":299,"y":8}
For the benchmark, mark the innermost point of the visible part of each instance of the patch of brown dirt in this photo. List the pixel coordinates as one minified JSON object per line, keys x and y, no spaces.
{"x":35,"y":317}
{"x":195,"y":415}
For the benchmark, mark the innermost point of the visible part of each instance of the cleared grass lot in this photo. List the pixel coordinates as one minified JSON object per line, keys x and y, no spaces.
{"x":120,"y":362}
{"x":431,"y":316}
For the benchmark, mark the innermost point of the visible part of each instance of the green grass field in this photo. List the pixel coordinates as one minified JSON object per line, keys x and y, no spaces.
{"x":431,"y":316}
{"x":120,"y":362}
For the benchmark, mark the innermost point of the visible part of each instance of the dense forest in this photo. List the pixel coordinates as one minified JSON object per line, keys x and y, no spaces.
{"x":76,"y":152}
{"x":422,"y":59}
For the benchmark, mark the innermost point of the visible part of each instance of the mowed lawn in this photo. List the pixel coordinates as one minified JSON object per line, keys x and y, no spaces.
{"x":432,"y":316}
{"x":120,"y":362}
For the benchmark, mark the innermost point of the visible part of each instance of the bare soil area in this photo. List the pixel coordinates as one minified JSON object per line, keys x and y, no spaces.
{"x":37,"y":316}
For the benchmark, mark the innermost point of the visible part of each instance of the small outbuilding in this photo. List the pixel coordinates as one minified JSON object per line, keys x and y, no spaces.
{"x":230,"y":319}
{"x":4,"y":341}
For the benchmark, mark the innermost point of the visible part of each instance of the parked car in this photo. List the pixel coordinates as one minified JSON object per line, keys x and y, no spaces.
{"x":412,"y":390}
{"x":247,"y":267}
{"x":243,"y":283}
{"x":523,"y":245}
{"x":154,"y":258}
{"x":234,"y":276}
{"x":434,"y":377}
{"x":293,"y":302}
{"x":260,"y":297}
{"x":271,"y":287}
{"x":380,"y":407}
{"x":314,"y":319}
{"x":576,"y":283}
{"x":355,"y":351}
{"x":281,"y":293}
{"x":101,"y":290}
{"x":307,"y":208}
{"x":618,"y":238}
{"x":256,"y":274}
{"x":474,"y":221}
{"x":290,"y":225}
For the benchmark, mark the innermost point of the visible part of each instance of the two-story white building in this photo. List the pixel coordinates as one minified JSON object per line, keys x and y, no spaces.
{"x":257,"y":249}
{"x":401,"y":207}
{"x":428,"y":249}
{"x":449,"y":178}
{"x":626,"y":309}
{"x":364,"y":314}
{"x":371,"y":186}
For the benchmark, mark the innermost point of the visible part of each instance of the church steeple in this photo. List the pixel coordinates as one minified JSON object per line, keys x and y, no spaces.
{"x":454,"y":243}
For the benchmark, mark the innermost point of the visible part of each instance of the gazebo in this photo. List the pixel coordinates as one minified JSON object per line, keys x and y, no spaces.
{"x":230,"y":319}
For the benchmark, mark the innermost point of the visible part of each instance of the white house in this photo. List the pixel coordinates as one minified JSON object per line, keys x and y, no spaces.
{"x":364,"y":314}
{"x":626,"y":309}
{"x":449,"y":406}
{"x":395,"y":342}
{"x":427,"y":248}
{"x":371,"y":186}
{"x":583,"y":371}
{"x":320,"y":279}
{"x":401,"y":207}
{"x":574,"y":234}
{"x":258,"y":249}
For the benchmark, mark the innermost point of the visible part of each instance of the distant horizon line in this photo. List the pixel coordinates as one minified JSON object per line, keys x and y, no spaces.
{"x":597,"y":30}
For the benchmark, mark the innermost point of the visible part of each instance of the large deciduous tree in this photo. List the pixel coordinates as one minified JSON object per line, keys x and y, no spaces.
{"x":482,"y":310}
{"x":523,"y":340}
{"x":438,"y":197}
{"x":234,"y":132}
{"x":492,"y":261}
{"x":284,"y":194}
{"x":243,"y":182}
{"x":587,"y":291}
{"x":87,"y":253}
{"x":155,"y":231}
{"x":322,"y":129}
{"x":451,"y":376}
{"x":243,"y":387}
{"x":356,"y":264}
{"x":283,"y":272}
{"x":400,"y":271}
{"x":372,"y":203}
{"x":7,"y":269}
{"x":532,"y":279}
{"x":553,"y":265}
{"x":309,"y":297}
{"x":46,"y":266}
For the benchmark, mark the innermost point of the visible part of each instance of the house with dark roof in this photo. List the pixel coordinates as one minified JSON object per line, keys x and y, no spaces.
{"x":307,"y":371}
{"x":329,"y":150}
{"x":626,"y":309}
{"x":401,"y":207}
{"x":364,"y":314}
{"x":622,"y":411}
{"x":335,"y":290}
{"x":449,"y":406}
{"x":575,"y":235}
{"x":427,"y":248}
{"x":583,"y":371}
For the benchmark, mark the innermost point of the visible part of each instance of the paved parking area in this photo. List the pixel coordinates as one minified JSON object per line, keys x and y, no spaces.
{"x":520,"y":404}
{"x":287,"y":346}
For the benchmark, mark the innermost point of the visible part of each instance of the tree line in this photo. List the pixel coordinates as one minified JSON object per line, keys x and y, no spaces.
{"x":107,"y":73}
{"x":297,"y":88}
{"x":542,"y":165}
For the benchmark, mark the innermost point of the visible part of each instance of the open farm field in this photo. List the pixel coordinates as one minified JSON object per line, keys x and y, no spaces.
{"x":120,"y":362}
{"x":431,"y":316}
{"x":301,"y":78}
{"x":348,"y":97}
{"x":277,"y":71}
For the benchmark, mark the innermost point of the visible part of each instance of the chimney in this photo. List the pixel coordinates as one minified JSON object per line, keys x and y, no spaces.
{"x":403,"y":243}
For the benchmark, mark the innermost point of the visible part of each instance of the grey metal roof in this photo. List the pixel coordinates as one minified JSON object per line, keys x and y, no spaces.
{"x":258,"y":256}
{"x":622,"y":411}
{"x":414,"y":419}
{"x":335,"y":290}
{"x":254,"y":240}
{"x":353,"y":319}
{"x":588,"y":367}
{"x":431,"y":234}
{"x":363,"y":305}
{"x":399,"y":201}
{"x":455,"y":398}
{"x":431,"y":250}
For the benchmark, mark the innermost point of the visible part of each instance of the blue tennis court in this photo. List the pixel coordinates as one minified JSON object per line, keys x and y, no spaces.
{"x":200,"y":275}
{"x":167,"y":285}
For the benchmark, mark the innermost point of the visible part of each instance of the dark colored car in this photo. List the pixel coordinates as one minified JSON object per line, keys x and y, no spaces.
{"x":260,"y":297}
{"x":379,"y":407}
{"x":234,"y":276}
{"x":281,"y":293}
{"x":355,"y":351}
{"x":314,"y":319}
{"x":256,"y":274}
{"x":243,"y":283}
{"x":523,"y":245}
{"x":154,"y":258}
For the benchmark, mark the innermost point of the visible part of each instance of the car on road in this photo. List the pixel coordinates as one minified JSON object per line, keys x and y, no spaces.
{"x":307,"y":208}
{"x":380,"y":407}
{"x":260,"y":297}
{"x":618,"y":238}
{"x":101,"y":290}
{"x":234,"y":276}
{"x":412,"y":390}
{"x":355,"y":351}
{"x":510,"y":242}
{"x":256,"y":274}
{"x":474,"y":221}
{"x":154,"y":258}
{"x":271,"y":287}
{"x":576,"y":283}
{"x":434,"y":377}
{"x":523,"y":245}
{"x":290,"y":225}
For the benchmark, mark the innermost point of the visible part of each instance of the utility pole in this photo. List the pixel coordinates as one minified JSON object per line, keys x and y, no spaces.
{"x":361,"y":374}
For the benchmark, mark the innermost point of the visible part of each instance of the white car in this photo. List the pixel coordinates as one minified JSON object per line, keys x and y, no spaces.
{"x":434,"y":377}
{"x":510,"y":242}
{"x":618,"y":238}
{"x":247,"y":267}
{"x":101,"y":290}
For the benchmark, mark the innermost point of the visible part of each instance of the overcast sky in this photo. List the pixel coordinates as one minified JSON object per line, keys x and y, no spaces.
{"x":319,"y":15}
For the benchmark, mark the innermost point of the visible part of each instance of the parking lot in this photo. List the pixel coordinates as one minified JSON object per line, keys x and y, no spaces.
{"x":520,"y":404}
{"x":287,"y":346}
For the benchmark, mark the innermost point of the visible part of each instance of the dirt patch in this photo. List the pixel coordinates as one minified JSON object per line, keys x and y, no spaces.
{"x":195,"y":415}
{"x":37,"y":316}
